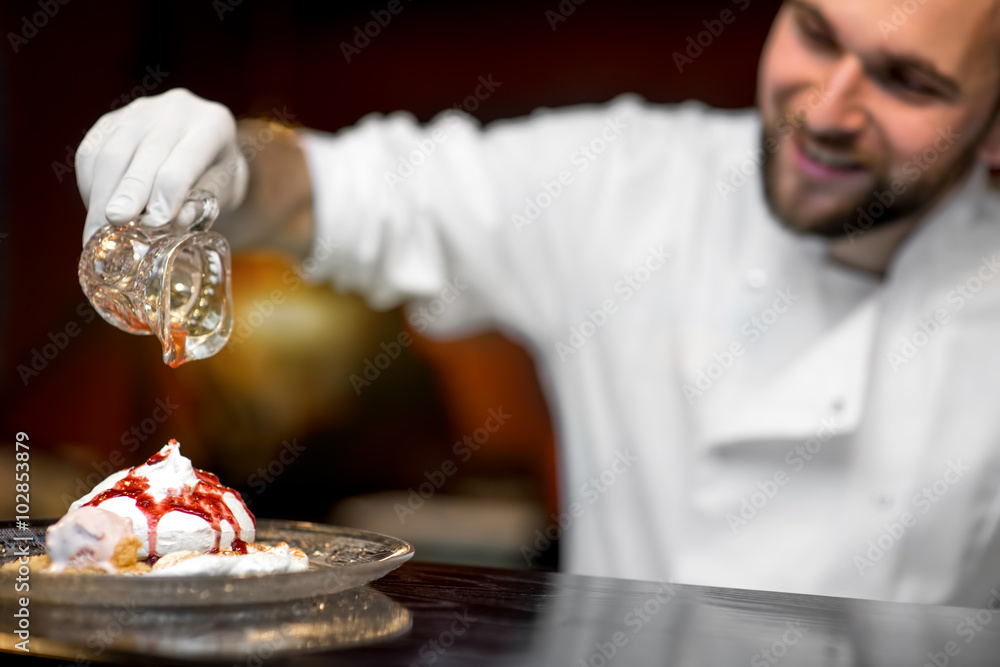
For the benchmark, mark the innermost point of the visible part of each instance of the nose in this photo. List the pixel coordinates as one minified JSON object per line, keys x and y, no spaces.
{"x":840,"y":111}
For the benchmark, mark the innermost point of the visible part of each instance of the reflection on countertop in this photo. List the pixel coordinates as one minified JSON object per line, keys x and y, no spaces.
{"x":118,"y":634}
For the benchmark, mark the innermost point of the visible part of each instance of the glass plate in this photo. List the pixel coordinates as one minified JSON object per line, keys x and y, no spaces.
{"x":339,"y":559}
{"x":241,"y":635}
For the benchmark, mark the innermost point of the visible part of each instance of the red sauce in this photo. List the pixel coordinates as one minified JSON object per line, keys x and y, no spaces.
{"x":204,"y":500}
{"x":178,"y":345}
{"x":160,"y":456}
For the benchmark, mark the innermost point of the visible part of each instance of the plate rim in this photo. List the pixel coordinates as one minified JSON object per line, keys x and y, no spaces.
{"x":401,"y":551}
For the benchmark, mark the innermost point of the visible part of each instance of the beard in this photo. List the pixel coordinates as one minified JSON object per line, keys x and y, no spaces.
{"x":872,"y":208}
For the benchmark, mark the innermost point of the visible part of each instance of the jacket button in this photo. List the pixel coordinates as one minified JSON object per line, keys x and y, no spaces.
{"x":884,"y":501}
{"x":756,"y":278}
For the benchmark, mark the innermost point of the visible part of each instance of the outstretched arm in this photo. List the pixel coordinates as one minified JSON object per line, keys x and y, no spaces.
{"x":142,"y":159}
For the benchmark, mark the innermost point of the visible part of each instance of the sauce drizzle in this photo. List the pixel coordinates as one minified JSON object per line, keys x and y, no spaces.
{"x":204,"y":500}
{"x":178,"y":347}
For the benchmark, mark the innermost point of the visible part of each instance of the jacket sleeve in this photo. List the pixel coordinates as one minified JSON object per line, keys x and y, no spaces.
{"x":453,"y":212}
{"x":496,"y":226}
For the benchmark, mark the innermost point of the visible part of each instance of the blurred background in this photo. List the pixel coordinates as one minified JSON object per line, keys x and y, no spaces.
{"x":276,"y":414}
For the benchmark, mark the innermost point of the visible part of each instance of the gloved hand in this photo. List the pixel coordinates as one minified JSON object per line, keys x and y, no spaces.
{"x":144,"y":157}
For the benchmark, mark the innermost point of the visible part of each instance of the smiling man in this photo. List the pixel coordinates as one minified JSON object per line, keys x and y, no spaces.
{"x":799,"y":364}
{"x":930,"y":85}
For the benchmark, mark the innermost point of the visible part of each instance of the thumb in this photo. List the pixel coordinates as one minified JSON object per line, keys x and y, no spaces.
{"x":227,"y":179}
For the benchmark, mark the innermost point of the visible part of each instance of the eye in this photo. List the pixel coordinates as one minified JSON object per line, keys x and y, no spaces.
{"x":904,"y":81}
{"x":815,"y":34}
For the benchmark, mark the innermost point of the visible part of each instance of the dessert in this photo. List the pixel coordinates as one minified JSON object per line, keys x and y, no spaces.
{"x":174,"y":507}
{"x":163,"y":517}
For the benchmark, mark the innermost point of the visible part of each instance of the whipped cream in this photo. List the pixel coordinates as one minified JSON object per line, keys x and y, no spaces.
{"x":257,"y":560}
{"x":86,"y":538}
{"x":174,"y":507}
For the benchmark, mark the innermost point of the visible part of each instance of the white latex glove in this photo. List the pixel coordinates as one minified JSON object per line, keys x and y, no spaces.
{"x":142,"y":159}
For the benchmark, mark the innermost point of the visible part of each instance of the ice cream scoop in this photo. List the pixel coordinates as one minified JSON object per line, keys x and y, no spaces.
{"x":174,"y":507}
{"x":88,"y":537}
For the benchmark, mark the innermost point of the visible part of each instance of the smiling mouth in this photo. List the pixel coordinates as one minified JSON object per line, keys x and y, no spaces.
{"x":827,"y":160}
{"x":821,"y":165}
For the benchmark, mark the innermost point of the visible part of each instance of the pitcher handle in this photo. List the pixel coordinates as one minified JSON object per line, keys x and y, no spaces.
{"x":203,"y":208}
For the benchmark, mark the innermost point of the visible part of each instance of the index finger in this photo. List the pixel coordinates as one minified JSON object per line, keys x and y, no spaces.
{"x":90,"y":147}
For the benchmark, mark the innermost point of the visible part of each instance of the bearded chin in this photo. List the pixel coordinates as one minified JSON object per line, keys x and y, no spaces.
{"x":879,"y":207}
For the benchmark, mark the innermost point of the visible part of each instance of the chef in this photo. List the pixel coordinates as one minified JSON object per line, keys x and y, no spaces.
{"x":771,"y":338}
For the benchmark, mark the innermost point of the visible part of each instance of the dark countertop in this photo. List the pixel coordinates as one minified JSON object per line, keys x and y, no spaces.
{"x":458,"y":615}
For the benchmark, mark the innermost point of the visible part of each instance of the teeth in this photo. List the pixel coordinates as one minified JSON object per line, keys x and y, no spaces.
{"x":829,"y":159}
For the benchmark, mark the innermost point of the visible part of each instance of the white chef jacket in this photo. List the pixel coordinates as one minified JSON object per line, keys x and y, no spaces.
{"x":733,"y":408}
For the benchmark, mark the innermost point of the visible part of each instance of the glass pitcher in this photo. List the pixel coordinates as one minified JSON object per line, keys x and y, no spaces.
{"x":172,"y":281}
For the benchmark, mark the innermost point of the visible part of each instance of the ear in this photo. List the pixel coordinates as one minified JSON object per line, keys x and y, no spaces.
{"x":989,"y":150}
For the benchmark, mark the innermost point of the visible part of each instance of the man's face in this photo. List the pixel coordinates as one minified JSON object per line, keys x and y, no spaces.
{"x":857,"y":100}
